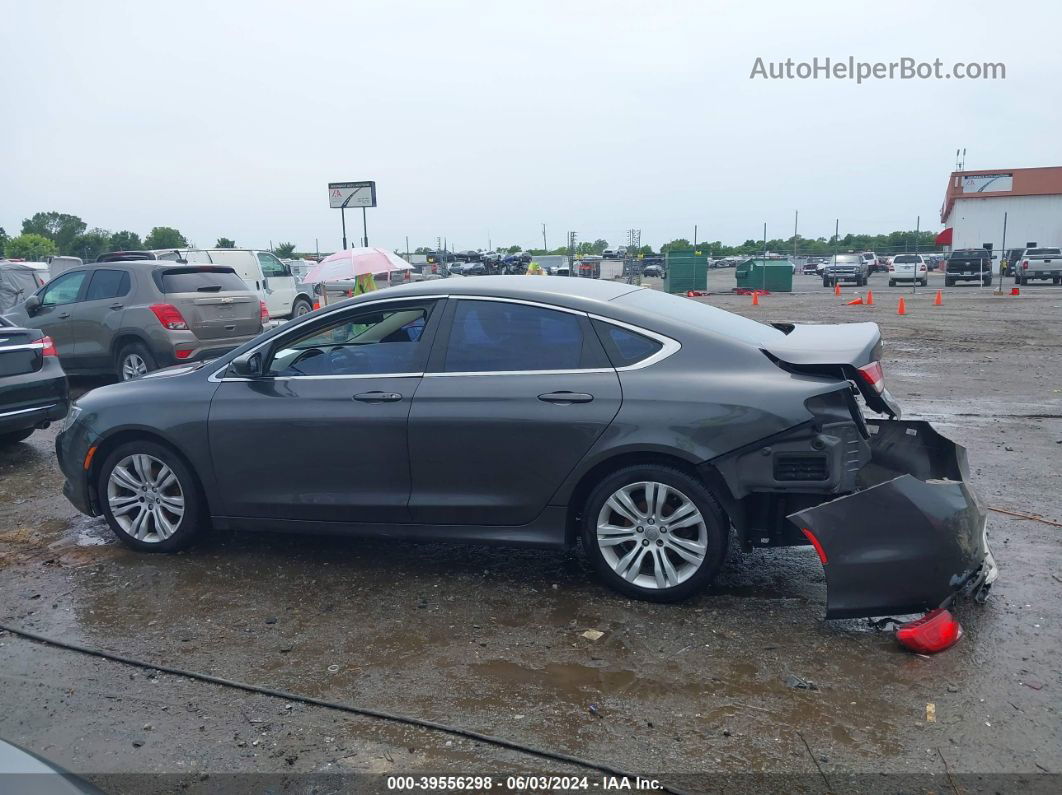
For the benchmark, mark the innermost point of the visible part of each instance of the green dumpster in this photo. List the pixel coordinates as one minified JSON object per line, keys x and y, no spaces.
{"x":775,"y":275}
{"x":685,"y":271}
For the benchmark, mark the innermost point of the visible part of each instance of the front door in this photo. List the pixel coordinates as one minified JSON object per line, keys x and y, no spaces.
{"x":58,"y":300}
{"x":278,"y":285}
{"x":515,"y":397}
{"x":322,"y":435}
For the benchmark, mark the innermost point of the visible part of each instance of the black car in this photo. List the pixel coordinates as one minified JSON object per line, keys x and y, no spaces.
{"x":545,"y":411}
{"x":969,"y":265}
{"x":33,"y":388}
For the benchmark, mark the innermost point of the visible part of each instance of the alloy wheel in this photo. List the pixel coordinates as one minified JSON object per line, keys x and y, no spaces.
{"x":133,"y":366}
{"x":652,"y":535}
{"x":145,"y":498}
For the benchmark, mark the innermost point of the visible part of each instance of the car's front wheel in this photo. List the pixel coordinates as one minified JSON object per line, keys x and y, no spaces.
{"x":300,"y":307}
{"x":149,"y":497}
{"x":654,"y":533}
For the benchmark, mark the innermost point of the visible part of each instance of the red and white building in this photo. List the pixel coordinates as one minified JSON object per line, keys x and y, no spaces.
{"x":976,"y":201}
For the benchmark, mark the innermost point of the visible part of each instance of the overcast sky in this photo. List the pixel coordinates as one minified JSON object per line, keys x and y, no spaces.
{"x":490,"y":118}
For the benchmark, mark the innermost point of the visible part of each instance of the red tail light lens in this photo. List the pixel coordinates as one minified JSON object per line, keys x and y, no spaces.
{"x":873,"y":375}
{"x":49,"y":346}
{"x":1025,"y":265}
{"x":815,"y":543}
{"x":183,"y":354}
{"x":263,"y":312}
{"x":936,"y":631}
{"x":169,"y":316}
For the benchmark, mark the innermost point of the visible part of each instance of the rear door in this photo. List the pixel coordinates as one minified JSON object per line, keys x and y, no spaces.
{"x":98,"y":316}
{"x":215,"y":301}
{"x":515,"y":395}
{"x":58,"y":299}
{"x":278,"y":284}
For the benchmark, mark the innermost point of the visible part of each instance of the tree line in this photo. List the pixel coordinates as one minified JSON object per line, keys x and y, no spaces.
{"x":53,"y":233}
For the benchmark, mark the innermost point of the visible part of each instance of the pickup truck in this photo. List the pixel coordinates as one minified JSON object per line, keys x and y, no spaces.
{"x":846,"y":268}
{"x":1039,"y":263}
{"x":968,"y":264}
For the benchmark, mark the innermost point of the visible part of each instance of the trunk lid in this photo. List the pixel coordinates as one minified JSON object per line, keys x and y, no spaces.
{"x":834,"y":349}
{"x":20,"y":351}
{"x":213,"y":300}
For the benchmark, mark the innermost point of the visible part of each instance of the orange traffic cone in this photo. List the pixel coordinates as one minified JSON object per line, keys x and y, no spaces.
{"x":836,"y":288}
{"x":939,"y":300}
{"x":870,"y":298}
{"x":755,"y":298}
{"x":901,"y":308}
{"x":857,"y":301}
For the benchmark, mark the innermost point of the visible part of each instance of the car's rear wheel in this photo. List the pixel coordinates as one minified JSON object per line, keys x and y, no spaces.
{"x":892,"y":282}
{"x":301,"y":307}
{"x":135,"y":360}
{"x":150,"y":497}
{"x":949,"y":283}
{"x":654,"y":533}
{"x":16,"y":437}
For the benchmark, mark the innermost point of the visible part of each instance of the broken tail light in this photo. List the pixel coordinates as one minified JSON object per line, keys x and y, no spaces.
{"x":170,"y":317}
{"x":936,"y":631}
{"x":873,"y":375}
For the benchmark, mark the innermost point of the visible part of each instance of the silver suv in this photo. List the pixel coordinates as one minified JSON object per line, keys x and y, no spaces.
{"x":128,"y":318}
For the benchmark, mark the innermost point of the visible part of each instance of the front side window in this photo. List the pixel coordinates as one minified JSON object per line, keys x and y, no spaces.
{"x":107,"y":284}
{"x":271,"y":266}
{"x":495,"y":336}
{"x":63,"y":290}
{"x":370,"y":342}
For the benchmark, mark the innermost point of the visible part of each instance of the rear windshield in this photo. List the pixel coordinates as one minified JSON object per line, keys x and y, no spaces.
{"x":1044,"y":252}
{"x":199,"y":280}
{"x":906,"y":258}
{"x":702,"y":316}
{"x":849,"y":258}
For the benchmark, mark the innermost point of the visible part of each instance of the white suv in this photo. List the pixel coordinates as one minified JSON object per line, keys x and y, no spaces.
{"x":278,"y":289}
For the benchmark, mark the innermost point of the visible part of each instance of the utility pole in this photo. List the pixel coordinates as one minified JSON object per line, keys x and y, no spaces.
{"x":836,"y":239}
{"x":317,"y":247}
{"x":918,"y":228}
{"x":407,"y":248}
{"x":545,"y":248}
{"x":763,"y":268}
{"x":1002,"y":254}
{"x":796,"y":221}
{"x":571,"y":253}
{"x":695,"y":237}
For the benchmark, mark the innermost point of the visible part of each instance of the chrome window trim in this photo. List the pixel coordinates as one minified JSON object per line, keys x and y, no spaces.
{"x":523,"y":372}
{"x":27,"y":411}
{"x":29,"y":346}
{"x":670,"y":346}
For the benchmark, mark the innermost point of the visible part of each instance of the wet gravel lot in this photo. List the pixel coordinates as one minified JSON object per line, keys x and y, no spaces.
{"x":492,"y":639}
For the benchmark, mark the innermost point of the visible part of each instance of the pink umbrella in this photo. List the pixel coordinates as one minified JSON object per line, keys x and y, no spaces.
{"x":355,"y":262}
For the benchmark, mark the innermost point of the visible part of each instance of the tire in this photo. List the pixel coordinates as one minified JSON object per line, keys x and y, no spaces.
{"x":301,"y":307}
{"x":925,"y":282}
{"x":988,"y":282}
{"x":178,"y":512}
{"x":689,"y":568}
{"x":949,"y":282}
{"x":892,"y":282}
{"x":135,"y":360}
{"x":826,"y":283}
{"x":15,"y":437}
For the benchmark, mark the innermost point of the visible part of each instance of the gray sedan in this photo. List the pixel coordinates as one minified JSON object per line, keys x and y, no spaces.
{"x":547,"y":412}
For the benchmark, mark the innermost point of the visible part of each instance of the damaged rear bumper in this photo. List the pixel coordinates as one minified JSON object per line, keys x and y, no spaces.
{"x":915,"y":534}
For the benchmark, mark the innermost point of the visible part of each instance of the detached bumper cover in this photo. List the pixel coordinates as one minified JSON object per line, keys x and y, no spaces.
{"x":913,"y":537}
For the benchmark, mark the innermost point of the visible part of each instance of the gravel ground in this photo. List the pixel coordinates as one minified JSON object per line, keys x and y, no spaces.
{"x":491,"y":639}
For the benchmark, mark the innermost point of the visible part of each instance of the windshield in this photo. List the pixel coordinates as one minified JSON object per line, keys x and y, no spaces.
{"x":201,"y":280}
{"x":848,"y":259}
{"x":701,"y":316}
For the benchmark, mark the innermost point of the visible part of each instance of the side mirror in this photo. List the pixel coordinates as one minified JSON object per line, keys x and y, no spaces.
{"x":249,"y":365}
{"x":33,"y":303}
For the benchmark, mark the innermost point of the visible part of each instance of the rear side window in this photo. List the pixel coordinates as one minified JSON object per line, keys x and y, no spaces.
{"x":107,"y":284}
{"x":199,"y":280}
{"x":495,"y":336}
{"x":625,"y":347}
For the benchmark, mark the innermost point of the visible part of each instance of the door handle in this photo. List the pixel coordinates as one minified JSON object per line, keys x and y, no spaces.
{"x":63,"y":315}
{"x":116,"y":306}
{"x":378,"y":397}
{"x":566,"y":397}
